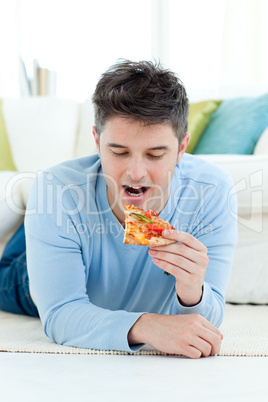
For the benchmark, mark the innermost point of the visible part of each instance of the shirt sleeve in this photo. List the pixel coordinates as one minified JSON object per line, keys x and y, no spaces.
{"x":216,"y":228}
{"x":58,"y":277}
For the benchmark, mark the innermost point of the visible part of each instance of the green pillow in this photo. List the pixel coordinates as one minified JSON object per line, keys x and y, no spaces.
{"x":6,"y":160}
{"x":199,"y":117}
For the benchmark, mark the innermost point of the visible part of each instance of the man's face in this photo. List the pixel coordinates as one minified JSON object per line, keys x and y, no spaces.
{"x":138,"y":163}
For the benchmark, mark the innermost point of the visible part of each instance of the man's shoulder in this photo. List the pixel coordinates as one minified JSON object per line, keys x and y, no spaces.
{"x":76,"y":171}
{"x":198,"y":169}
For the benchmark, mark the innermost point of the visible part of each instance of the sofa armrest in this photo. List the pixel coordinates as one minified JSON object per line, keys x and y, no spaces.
{"x":250,"y":177}
{"x":249,"y":277}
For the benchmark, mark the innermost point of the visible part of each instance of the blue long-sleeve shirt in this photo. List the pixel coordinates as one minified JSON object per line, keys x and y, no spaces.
{"x":88,"y":286}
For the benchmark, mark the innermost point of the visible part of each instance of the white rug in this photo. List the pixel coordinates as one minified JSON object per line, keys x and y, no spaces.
{"x":245,"y":330}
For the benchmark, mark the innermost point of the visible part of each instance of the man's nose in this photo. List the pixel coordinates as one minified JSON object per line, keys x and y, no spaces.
{"x":136,"y":169}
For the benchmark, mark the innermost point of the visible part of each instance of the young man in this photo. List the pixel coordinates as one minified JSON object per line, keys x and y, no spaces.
{"x":93,"y":291}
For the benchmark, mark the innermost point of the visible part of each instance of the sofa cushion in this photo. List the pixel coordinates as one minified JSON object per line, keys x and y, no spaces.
{"x":43,"y":132}
{"x":262,"y":144}
{"x":199,"y":116}
{"x":235,"y":127}
{"x":6,"y":160}
{"x":85,"y":144}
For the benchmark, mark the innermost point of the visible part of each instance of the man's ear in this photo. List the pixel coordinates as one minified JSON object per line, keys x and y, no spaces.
{"x":96,"y":138}
{"x":183,"y":146}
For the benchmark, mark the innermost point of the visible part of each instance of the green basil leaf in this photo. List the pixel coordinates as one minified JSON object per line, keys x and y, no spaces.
{"x":144,"y":218}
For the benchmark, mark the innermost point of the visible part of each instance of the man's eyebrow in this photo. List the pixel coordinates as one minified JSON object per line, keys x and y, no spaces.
{"x":157,"y":148}
{"x":113,"y":145}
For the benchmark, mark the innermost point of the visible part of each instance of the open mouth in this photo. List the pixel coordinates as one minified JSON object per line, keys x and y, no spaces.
{"x":135,"y":191}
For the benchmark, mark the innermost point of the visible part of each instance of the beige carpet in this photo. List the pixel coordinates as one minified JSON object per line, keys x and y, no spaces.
{"x":245,"y":330}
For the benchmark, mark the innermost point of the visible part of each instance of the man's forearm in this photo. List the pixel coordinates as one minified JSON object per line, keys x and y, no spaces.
{"x":138,"y":333}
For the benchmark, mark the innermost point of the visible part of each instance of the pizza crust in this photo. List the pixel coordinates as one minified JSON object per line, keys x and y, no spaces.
{"x":153,"y":242}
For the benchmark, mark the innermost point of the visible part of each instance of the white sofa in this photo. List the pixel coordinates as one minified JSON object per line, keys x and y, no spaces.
{"x":44,"y":131}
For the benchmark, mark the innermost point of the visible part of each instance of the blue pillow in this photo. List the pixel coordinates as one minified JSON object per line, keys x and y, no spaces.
{"x":235,"y":127}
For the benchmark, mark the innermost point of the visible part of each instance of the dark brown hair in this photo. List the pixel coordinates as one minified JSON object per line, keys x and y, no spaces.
{"x":143,"y":91}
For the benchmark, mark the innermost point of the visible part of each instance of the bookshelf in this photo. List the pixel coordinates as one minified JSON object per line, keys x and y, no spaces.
{"x":43,"y":81}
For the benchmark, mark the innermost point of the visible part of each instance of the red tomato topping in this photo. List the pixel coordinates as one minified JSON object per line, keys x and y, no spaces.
{"x":150,"y":213}
{"x":155,"y":228}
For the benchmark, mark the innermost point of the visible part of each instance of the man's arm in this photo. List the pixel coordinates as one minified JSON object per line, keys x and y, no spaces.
{"x":189,"y":335}
{"x":201,"y":260}
{"x":187,"y":261}
{"x":58,"y":274}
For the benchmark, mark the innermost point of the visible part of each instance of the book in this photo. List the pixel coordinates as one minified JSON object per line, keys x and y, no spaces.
{"x":35,"y":79}
{"x":24,"y":81}
{"x":43,"y":81}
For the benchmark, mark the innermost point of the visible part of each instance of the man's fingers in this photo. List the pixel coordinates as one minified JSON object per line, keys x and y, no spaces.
{"x":211,"y":327}
{"x":212,"y":344}
{"x":193,"y":352}
{"x":203,"y":346}
{"x":213,"y":336}
{"x":178,"y":249}
{"x":185,"y":238}
{"x":171,"y":262}
{"x":203,"y":341}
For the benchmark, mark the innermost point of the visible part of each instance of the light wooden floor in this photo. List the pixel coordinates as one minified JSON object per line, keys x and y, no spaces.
{"x":48,"y":377}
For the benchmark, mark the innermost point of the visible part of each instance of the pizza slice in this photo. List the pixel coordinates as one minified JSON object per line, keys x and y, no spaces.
{"x":144,"y":228}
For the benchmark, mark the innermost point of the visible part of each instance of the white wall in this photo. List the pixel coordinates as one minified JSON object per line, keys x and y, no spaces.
{"x":210,"y":44}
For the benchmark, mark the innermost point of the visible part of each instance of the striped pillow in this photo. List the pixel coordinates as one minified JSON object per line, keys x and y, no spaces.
{"x":235,"y":127}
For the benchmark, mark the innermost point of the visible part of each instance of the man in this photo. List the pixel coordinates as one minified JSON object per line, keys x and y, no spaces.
{"x":90,"y":289}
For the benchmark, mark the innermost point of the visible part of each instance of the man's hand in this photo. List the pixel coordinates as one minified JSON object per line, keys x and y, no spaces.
{"x":190,"y":335}
{"x":187,"y":261}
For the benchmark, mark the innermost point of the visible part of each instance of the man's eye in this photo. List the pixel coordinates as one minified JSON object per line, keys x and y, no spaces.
{"x":120,"y":153}
{"x":151,"y":156}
